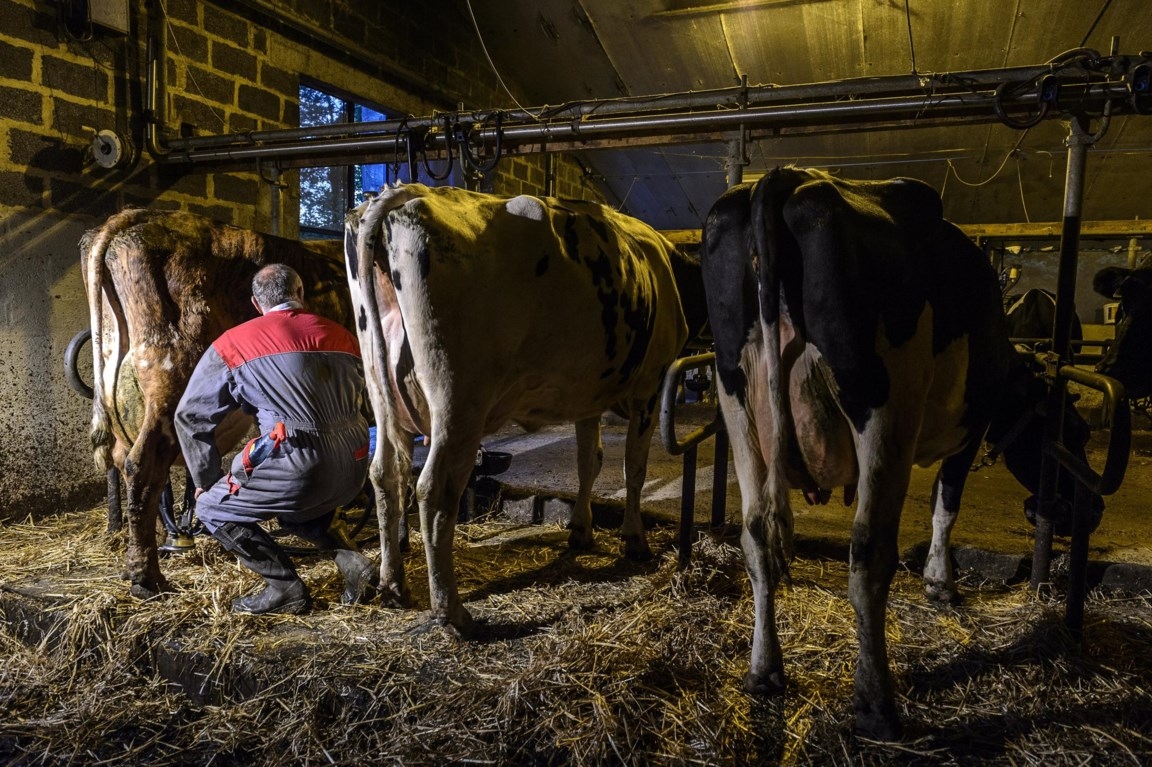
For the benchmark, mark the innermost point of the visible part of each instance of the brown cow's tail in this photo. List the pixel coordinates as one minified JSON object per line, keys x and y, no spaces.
{"x":94,"y":247}
{"x":767,"y":224}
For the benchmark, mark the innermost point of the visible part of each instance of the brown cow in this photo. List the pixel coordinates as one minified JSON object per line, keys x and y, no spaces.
{"x":161,"y":287}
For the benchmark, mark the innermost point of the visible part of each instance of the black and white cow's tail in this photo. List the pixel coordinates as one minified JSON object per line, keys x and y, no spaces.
{"x":768,"y":199}
{"x":362,"y":235}
{"x":361,"y":232}
{"x":94,"y":246}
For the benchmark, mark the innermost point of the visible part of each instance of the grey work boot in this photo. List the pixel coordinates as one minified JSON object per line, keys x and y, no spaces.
{"x":361,"y":577}
{"x":283,"y":592}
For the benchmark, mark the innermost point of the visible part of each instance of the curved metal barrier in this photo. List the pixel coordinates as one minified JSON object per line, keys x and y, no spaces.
{"x":1117,"y":416}
{"x":687,"y":445}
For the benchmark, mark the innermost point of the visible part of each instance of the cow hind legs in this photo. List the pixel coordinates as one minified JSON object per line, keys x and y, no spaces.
{"x":589,"y":460}
{"x":460,"y":625}
{"x":142,"y":569}
{"x":636,"y":447}
{"x":940,"y":593}
{"x":939,"y":580}
{"x":143,"y":561}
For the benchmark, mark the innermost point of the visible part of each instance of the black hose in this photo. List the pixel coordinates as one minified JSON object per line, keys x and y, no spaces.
{"x":472,"y":161}
{"x":71,"y":355}
{"x":447,"y":147}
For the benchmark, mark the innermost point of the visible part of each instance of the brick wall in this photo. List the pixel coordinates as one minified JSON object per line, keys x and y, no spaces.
{"x":60,"y":81}
{"x":224,"y":74}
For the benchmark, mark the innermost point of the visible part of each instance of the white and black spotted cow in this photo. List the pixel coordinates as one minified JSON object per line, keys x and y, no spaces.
{"x":857,"y":334}
{"x":1031,"y":316}
{"x":475,"y":310}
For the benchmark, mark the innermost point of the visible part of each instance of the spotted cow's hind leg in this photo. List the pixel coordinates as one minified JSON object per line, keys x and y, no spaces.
{"x":885,"y":471}
{"x":939,"y":582}
{"x":443,"y":479}
{"x":589,"y":460}
{"x":640,"y":428}
{"x":389,"y":473}
{"x":766,"y":670}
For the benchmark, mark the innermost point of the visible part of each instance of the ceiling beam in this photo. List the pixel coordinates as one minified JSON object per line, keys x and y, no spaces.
{"x":1088,"y":229}
{"x":1052,"y":230}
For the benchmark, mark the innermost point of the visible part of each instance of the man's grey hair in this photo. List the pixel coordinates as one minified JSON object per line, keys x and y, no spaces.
{"x":275,"y":284}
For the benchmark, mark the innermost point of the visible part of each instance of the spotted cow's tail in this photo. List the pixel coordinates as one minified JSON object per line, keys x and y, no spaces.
{"x":94,"y":246}
{"x":363,"y":232}
{"x":768,"y":198}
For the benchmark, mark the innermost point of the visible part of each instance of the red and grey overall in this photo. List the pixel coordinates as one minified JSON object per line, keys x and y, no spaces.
{"x":301,"y":376}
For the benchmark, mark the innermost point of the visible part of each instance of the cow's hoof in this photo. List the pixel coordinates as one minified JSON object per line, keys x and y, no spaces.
{"x":765,"y":685}
{"x":581,"y":539}
{"x":395,"y":596}
{"x":148,"y":590}
{"x":637,"y":549}
{"x":879,"y":723}
{"x":940,"y":594}
{"x":459,"y":626}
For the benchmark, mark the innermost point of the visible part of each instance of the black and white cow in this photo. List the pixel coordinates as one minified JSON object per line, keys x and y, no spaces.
{"x":1128,"y":358}
{"x":857,"y":334}
{"x":1032,"y":314}
{"x":475,"y":310}
{"x":1031,"y":319}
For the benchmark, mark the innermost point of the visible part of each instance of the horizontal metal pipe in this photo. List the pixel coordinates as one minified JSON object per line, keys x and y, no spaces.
{"x":376,"y":141}
{"x":961,"y":84}
{"x":381,"y":136}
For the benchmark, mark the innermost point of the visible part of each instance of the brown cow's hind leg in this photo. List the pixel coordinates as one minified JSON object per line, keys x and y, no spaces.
{"x":143,"y":561}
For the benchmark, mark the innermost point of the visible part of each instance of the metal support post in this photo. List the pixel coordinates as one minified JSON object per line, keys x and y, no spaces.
{"x":1078,"y":141}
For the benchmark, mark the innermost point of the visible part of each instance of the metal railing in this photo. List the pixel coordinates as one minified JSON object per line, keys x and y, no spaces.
{"x":687,"y":446}
{"x":1117,"y":417}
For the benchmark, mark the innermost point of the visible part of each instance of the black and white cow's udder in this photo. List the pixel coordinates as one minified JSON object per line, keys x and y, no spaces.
{"x":822,"y":435}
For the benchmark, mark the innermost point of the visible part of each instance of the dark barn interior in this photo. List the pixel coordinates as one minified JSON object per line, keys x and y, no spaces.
{"x":1029,"y":119}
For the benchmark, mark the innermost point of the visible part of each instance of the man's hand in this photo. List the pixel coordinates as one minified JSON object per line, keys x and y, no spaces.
{"x":198,"y":492}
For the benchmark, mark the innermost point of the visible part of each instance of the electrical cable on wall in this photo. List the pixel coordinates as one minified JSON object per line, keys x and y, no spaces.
{"x":188,"y":69}
{"x":492,"y":64}
{"x":1020,"y":183}
{"x":996,"y":172}
{"x":911,"y":43}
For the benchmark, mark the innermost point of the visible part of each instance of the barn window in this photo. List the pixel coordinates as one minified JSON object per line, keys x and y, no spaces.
{"x":327,"y":193}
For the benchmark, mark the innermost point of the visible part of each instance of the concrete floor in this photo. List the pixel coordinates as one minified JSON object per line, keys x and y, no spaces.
{"x":992,"y":517}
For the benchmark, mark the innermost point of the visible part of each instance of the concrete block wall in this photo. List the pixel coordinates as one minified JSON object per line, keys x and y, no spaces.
{"x":61,"y":80}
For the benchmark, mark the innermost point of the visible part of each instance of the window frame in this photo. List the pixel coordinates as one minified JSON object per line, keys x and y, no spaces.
{"x":349,"y":106}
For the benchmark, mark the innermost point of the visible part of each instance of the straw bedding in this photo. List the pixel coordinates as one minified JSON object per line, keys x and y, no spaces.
{"x":578,"y":659}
